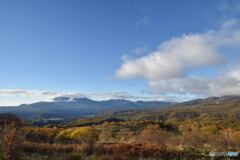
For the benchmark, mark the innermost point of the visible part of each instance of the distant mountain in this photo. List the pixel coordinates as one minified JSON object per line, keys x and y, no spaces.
{"x":214,"y":107}
{"x":66,"y":108}
{"x":211,"y":101}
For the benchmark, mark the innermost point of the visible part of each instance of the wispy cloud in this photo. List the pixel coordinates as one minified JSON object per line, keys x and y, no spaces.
{"x":143,"y":21}
{"x":229,"y":8}
{"x":10,"y":97}
{"x":144,"y":15}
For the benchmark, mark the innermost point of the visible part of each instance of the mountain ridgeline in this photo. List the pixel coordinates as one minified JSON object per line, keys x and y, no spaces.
{"x":64,"y":108}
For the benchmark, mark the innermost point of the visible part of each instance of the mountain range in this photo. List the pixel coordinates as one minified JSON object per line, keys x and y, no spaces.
{"x":66,"y":108}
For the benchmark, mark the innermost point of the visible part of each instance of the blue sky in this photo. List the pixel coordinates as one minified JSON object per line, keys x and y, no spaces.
{"x":81,"y":47}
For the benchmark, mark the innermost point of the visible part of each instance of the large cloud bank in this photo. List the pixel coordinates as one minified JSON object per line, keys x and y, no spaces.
{"x":176,"y":66}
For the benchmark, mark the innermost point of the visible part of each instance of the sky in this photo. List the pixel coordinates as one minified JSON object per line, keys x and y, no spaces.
{"x":163,"y":50}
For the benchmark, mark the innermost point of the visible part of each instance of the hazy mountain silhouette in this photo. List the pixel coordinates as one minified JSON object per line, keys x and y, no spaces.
{"x":65,"y":107}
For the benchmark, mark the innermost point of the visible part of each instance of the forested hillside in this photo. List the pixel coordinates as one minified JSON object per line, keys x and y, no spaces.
{"x":190,"y":130}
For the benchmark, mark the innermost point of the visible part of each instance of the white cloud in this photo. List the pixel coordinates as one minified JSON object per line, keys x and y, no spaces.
{"x":172,"y":58}
{"x":227,"y":83}
{"x":180,"y":85}
{"x":169,"y":68}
